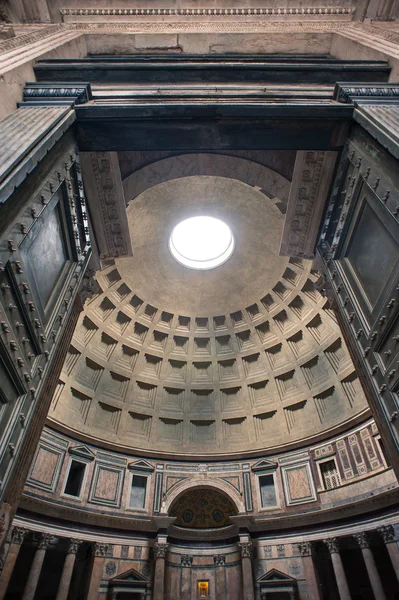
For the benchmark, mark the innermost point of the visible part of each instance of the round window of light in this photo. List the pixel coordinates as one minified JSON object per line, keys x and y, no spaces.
{"x":201,"y":242}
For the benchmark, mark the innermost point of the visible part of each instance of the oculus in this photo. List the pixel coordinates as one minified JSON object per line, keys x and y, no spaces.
{"x":201,"y":242}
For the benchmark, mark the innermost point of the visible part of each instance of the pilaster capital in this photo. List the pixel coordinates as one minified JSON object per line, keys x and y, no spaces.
{"x":73,"y":545}
{"x":387,"y":533}
{"x":219,"y":560}
{"x":160,"y":549}
{"x":186,"y":560}
{"x":361,"y":539}
{"x":332,"y":545}
{"x":305,"y":548}
{"x":102,"y":550}
{"x":245,"y":549}
{"x":44,"y":540}
{"x":18,"y":535}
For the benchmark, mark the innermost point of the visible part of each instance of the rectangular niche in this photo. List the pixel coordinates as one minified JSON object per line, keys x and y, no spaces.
{"x":290,"y":276}
{"x":135,"y":303}
{"x":57,"y":394}
{"x":149,"y":312}
{"x":265,"y":335}
{"x":315,"y":372}
{"x":283,"y":322}
{"x":253,"y":365}
{"x":80,"y":404}
{"x":127,"y":358}
{"x":115,"y":386}
{"x":202,"y":346}
{"x":245,"y":341}
{"x":352,"y":388}
{"x":152,"y":366}
{"x":177,"y":371}
{"x":138,"y":334}
{"x":202,"y":372}
{"x":328,"y":404}
{"x":201,"y":324}
{"x":144,"y":393}
{"x":171,"y":430}
{"x":113,"y":277}
{"x":237,"y":318}
{"x":89,"y":374}
{"x":183,"y":323}
{"x":231,"y":399}
{"x":159,"y":340}
{"x":234,"y":430}
{"x":253,"y":312}
{"x":203,"y":432}
{"x":277,"y":357}
{"x":104,"y":309}
{"x":298,"y":484}
{"x":107,"y":417}
{"x":259,"y":393}
{"x":180,"y":345}
{"x":281,"y":291}
{"x":318,"y":329}
{"x":337,"y":356}
{"x":122,"y":292}
{"x":224,"y":344}
{"x":104,"y":347}
{"x":299,"y":308}
{"x":202,"y":401}
{"x":310,"y":291}
{"x":138,"y":424}
{"x":166,"y":319}
{"x":106,"y":485}
{"x":86,"y":331}
{"x":121,"y":323}
{"x":227,"y":369}
{"x":287,"y":385}
{"x":298,"y":344}
{"x":173,"y":400}
{"x":296,"y":417}
{"x":219,"y":323}
{"x":268,"y":302}
{"x":265,"y":425}
{"x":71,"y":359}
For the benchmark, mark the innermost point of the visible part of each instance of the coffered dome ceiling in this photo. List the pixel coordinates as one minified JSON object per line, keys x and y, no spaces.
{"x":244,"y":357}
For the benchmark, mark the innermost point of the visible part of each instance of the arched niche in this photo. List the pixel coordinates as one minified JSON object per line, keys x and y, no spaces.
{"x":202,"y":507}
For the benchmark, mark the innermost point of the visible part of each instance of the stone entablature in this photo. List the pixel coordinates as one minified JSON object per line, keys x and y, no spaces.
{"x":299,"y":480}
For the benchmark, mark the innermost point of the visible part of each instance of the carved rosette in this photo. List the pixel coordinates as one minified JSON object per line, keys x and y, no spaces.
{"x":186,"y":560}
{"x":160,"y":550}
{"x":44,"y":540}
{"x":219,"y":560}
{"x":362,"y":540}
{"x":332,"y":545}
{"x":73,"y":546}
{"x":387,"y":533}
{"x":18,"y":535}
{"x":245,"y":549}
{"x":305,"y":548}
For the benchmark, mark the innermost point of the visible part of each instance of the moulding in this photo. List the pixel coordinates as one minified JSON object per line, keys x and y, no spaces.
{"x":29,"y":38}
{"x":307,"y":11}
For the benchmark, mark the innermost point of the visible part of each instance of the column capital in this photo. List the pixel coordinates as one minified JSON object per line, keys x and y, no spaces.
{"x":387,"y":533}
{"x":305,"y":548}
{"x":102,"y":550}
{"x":186,"y":560}
{"x":245,"y":549}
{"x":73,"y":545}
{"x":44,"y":540}
{"x":332,"y":545}
{"x":219,"y":560}
{"x":18,"y":535}
{"x":362,"y":539}
{"x":160,"y":549}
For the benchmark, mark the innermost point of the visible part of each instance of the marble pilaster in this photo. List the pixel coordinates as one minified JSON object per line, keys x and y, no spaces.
{"x":100,"y":551}
{"x":343,"y":589}
{"x":220,"y":561}
{"x":35,"y":570}
{"x":17,"y":539}
{"x":371,"y":567}
{"x":305,"y":548}
{"x":186,"y":562}
{"x":245,"y":547}
{"x":160,"y":549}
{"x":63,"y":588}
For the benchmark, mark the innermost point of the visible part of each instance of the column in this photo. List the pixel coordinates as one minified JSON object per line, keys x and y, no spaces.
{"x":17,"y":538}
{"x":247,"y":578}
{"x":343,"y":589}
{"x":388,"y":535}
{"x":100,"y":551}
{"x":305,"y":548}
{"x":63,"y":588}
{"x":374,"y":577}
{"x":220,"y":561}
{"x":160,"y":549}
{"x":35,"y":570}
{"x":186,"y":562}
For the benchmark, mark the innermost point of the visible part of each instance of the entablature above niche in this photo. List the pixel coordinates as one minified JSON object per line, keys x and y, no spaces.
{"x":82,"y":452}
{"x":264,"y":465}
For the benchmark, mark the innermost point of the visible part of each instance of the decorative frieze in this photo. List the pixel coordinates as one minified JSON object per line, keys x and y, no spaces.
{"x":219,"y":560}
{"x":186,"y":560}
{"x":303,"y":11}
{"x":102,"y":550}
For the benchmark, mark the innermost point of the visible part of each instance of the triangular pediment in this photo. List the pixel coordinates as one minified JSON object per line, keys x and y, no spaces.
{"x":141,"y":465}
{"x":275,"y":575}
{"x":264,"y":465}
{"x":130,"y":576}
{"x":82,"y":452}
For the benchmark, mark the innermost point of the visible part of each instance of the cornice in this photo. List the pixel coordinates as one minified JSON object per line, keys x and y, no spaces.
{"x":307,"y":11}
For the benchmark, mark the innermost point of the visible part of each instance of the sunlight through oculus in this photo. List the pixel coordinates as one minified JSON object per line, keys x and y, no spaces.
{"x":201,"y":242}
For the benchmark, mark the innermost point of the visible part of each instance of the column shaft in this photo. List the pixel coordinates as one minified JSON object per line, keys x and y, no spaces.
{"x":340,"y":576}
{"x":66,"y":577}
{"x":8,"y":568}
{"x":373,"y":574}
{"x":393,"y":550}
{"x":95,"y":578}
{"x":247,"y":579}
{"x":34,"y":574}
{"x":159,"y":579}
{"x":219,"y":577}
{"x":311,"y":578}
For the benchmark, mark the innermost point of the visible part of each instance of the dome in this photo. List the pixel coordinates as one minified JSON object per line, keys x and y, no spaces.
{"x":242,"y":358}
